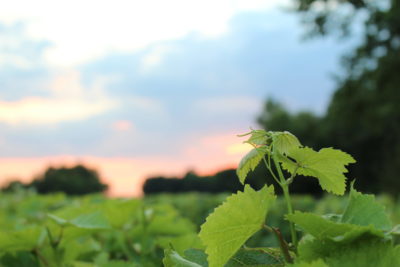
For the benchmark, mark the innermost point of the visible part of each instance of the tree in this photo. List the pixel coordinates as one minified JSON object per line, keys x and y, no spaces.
{"x":363,"y":117}
{"x":77,"y":180}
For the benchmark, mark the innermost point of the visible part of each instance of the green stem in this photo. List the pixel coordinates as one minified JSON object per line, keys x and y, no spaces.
{"x":270,"y":170}
{"x":60,"y":236}
{"x":50,"y":236}
{"x":286,"y":194}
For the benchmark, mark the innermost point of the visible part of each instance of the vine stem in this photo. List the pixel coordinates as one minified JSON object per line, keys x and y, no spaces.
{"x":285,"y":188}
{"x":272,"y":173}
{"x":282,"y":243}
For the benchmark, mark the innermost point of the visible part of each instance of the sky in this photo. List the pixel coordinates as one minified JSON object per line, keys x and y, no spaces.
{"x":142,"y":88}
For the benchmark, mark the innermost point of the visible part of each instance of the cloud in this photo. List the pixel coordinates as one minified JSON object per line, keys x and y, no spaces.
{"x":148,"y":94}
{"x":95,"y":31}
{"x":69,"y":102}
{"x":193,"y":86}
{"x":43,"y":111}
{"x":17,"y":51}
{"x":154,"y":57}
{"x":203,"y":86}
{"x":222,"y":82}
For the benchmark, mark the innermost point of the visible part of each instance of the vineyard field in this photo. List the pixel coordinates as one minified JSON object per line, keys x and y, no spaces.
{"x":56,"y":230}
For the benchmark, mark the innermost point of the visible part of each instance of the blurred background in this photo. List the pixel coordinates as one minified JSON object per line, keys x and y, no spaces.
{"x":100,"y":96}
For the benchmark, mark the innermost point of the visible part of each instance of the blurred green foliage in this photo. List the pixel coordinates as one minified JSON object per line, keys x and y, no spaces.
{"x":57,"y":230}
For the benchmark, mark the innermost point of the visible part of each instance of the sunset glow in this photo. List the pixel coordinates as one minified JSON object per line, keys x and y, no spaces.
{"x":126,"y":175}
{"x":135,"y":89}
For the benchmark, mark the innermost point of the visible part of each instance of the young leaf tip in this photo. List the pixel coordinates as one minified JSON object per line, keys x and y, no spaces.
{"x":284,"y":142}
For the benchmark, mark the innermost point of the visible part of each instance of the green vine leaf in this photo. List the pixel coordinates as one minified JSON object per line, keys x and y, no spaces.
{"x":233,"y":222}
{"x":180,"y":243}
{"x":365,"y":252}
{"x":395,"y":230}
{"x":173,"y":259}
{"x":317,"y":226}
{"x":250,"y":162}
{"x":322,"y":228}
{"x":284,"y":142}
{"x":94,"y":220}
{"x":24,"y":239}
{"x":255,"y":258}
{"x":327,"y":165}
{"x":196,"y":255}
{"x":364,"y":210}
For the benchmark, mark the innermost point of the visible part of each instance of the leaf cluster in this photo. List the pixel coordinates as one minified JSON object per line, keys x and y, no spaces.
{"x":53,"y":230}
{"x":345,"y":239}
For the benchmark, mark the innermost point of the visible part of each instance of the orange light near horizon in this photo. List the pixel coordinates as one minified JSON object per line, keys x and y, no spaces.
{"x":126,"y":175}
{"x":238,"y":149}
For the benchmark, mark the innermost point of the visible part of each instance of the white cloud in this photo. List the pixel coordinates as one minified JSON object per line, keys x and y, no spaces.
{"x":18,"y":61}
{"x":81,"y":31}
{"x":154,"y":57}
{"x":70,"y":101}
{"x":43,"y":111}
{"x":13,"y":51}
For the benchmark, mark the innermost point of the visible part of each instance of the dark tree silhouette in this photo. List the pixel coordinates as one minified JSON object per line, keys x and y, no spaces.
{"x":77,"y":180}
{"x":224,"y":181}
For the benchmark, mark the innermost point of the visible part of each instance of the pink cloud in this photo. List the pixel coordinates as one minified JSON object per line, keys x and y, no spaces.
{"x":122,"y":125}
